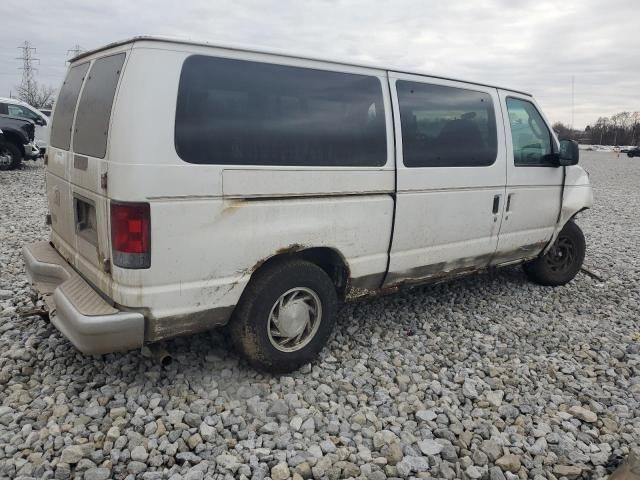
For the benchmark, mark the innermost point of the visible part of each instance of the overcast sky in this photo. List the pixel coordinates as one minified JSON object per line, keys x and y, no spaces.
{"x":535,"y":46}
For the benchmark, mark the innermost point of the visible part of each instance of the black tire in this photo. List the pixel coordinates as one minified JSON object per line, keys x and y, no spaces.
{"x":563,"y":260}
{"x":251,"y":321}
{"x":12,"y":152}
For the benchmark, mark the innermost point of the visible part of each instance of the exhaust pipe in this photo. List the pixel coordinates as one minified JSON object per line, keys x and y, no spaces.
{"x":160,"y":354}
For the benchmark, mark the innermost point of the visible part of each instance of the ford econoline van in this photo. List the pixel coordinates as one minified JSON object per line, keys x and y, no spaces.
{"x":193,"y":186}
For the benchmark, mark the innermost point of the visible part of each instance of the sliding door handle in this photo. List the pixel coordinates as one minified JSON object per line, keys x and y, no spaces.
{"x":496,"y":204}
{"x":508,"y":208}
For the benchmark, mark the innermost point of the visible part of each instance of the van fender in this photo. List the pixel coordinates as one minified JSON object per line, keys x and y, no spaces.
{"x":577,"y":196}
{"x":330,"y":259}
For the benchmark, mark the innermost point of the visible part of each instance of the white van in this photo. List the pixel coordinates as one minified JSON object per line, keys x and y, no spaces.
{"x":17,"y":108}
{"x":192,"y":186}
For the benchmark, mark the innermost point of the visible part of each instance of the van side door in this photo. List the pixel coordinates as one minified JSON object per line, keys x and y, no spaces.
{"x":534,"y":181}
{"x":450,"y":177}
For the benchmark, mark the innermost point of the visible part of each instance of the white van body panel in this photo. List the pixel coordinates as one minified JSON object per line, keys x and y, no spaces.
{"x":577,"y":196}
{"x":233,"y":238}
{"x":213,"y":226}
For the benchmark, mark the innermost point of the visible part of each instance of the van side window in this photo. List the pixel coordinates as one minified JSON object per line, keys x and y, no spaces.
{"x":236,"y":112}
{"x":532,"y":141}
{"x":94,"y":108}
{"x":446,"y":126}
{"x":66,"y":106}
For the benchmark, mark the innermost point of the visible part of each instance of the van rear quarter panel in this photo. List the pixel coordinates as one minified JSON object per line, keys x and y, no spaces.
{"x":212,"y":225}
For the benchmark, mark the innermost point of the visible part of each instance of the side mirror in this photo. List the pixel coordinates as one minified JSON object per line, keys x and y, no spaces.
{"x":40,"y":121}
{"x":569,"y":153}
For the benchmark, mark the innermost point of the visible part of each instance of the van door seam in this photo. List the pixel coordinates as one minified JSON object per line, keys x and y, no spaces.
{"x":506,"y":171}
{"x":394,"y":195}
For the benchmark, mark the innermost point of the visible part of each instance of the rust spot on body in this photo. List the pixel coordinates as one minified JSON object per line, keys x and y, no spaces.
{"x":293,"y":248}
{"x":186,"y":324}
{"x":232,"y":205}
{"x":355,"y":294}
{"x":423,"y":275}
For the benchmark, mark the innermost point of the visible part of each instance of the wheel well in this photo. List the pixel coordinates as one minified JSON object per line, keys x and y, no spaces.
{"x":13,"y":138}
{"x":579,"y":211}
{"x":326,"y":258}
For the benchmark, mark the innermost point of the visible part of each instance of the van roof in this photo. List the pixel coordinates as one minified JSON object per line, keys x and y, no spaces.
{"x":253,"y":49}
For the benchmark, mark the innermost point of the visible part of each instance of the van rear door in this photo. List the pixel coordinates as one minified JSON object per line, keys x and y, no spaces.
{"x":78,"y":165}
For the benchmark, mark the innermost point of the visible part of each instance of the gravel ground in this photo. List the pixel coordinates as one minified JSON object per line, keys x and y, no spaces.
{"x":486,"y":377}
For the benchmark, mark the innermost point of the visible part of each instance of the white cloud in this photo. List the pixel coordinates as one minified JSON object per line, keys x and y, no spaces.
{"x":533,"y":46}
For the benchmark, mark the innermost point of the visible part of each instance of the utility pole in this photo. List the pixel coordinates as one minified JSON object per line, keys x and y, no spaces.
{"x":75,"y":51}
{"x":572,"y":101}
{"x":27,"y":83}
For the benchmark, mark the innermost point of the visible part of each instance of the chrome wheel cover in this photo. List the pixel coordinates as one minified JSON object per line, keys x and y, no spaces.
{"x":294,"y":319}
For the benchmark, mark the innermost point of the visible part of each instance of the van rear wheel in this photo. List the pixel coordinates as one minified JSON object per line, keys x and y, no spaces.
{"x":285,"y":316}
{"x":563,"y":260}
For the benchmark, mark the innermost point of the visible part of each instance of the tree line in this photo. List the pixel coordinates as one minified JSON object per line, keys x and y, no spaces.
{"x":36,"y":94}
{"x":623,"y":128}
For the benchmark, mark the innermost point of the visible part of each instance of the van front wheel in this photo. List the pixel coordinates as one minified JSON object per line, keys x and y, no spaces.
{"x":563,"y":260}
{"x":285,"y":316}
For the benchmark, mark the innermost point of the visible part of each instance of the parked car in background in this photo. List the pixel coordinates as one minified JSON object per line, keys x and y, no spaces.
{"x":634,"y":152}
{"x":17,"y":108}
{"x":16,"y":142}
{"x":192,"y":186}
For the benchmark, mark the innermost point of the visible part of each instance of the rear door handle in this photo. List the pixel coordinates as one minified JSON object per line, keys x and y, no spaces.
{"x":509,"y":202}
{"x":496,"y":204}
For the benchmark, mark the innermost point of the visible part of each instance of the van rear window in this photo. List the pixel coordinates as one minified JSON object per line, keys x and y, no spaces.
{"x":94,"y":109}
{"x":66,"y":107}
{"x":236,"y":112}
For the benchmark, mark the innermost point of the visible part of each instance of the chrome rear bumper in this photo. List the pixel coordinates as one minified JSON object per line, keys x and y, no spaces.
{"x":92,"y":324}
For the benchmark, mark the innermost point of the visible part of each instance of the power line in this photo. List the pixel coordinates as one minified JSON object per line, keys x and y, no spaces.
{"x":573,"y":103}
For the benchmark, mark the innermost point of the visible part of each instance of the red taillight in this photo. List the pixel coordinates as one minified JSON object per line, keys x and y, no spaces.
{"x":131,"y":234}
